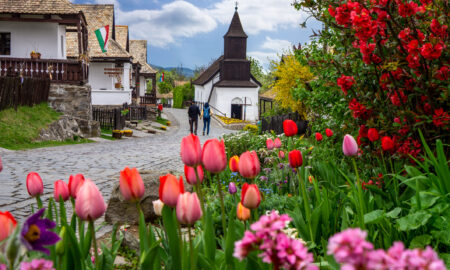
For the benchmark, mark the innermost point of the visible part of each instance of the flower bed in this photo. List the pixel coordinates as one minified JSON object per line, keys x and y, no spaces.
{"x":230,"y":121}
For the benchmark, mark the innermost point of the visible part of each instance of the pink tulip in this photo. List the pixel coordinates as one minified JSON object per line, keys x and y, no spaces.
{"x":249,"y":166}
{"x":61,"y":189}
{"x":75,"y":182}
{"x":191,"y":178}
{"x":277,"y":142}
{"x":214,"y":158}
{"x":1,"y":164}
{"x":349,"y":146}
{"x":188,"y":208}
{"x":89,"y":204}
{"x":169,"y":189}
{"x":270,"y":144}
{"x":131,"y":184}
{"x":250,"y":197}
{"x":191,"y":150}
{"x":281,"y":154}
{"x":35,"y":186}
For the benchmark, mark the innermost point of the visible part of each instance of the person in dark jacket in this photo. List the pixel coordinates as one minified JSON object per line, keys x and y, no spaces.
{"x":193,"y":113}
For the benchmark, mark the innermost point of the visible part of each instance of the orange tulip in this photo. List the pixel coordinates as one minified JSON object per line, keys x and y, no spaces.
{"x":188,"y":208}
{"x":75,"y":182}
{"x":191,"y":150}
{"x":131,"y":184}
{"x":214,"y":158}
{"x":61,"y":189}
{"x":169,"y":189}
{"x":249,"y":166}
{"x":250,"y":196}
{"x":35,"y":186}
{"x":7,"y":225}
{"x":89,"y":204}
{"x":234,"y":164}
{"x":242,"y":212}
{"x":191,"y":178}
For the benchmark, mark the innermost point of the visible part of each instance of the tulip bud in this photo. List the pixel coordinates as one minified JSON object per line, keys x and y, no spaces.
{"x":328,"y":132}
{"x":214,"y":158}
{"x":281,"y":154}
{"x":242,"y":212}
{"x":191,"y":177}
{"x":319,"y":136}
{"x":158,"y":207}
{"x":387,"y":143}
{"x":373,"y":135}
{"x":75,"y":182}
{"x":249,"y":166}
{"x":131,"y":184}
{"x":188,"y":208}
{"x":35,"y":186}
{"x":270,"y":144}
{"x":232,"y":188}
{"x":277,"y":142}
{"x":191,"y":150}
{"x":7,"y":225}
{"x":250,"y":196}
{"x":89,"y":204}
{"x":234,"y":163}
{"x":349,"y":146}
{"x":169,"y":189}
{"x":61,"y":189}
{"x":60,"y":246}
{"x":289,"y":128}
{"x":295,"y":158}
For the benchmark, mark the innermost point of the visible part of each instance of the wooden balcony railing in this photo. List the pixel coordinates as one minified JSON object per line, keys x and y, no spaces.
{"x":59,"y":71}
{"x":148,"y":99}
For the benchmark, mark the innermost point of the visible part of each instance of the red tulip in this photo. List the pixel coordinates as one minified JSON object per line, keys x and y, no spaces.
{"x":89,"y":204}
{"x":269,"y":143}
{"x":191,"y":178}
{"x":191,"y":150}
{"x":373,"y":135}
{"x":281,"y":154}
{"x":250,"y":197}
{"x":277,"y":142}
{"x":295,"y":158}
{"x":234,"y":163}
{"x":349,"y":146}
{"x":328,"y":132}
{"x":188,"y":208}
{"x":249,"y":166}
{"x":290,"y":128}
{"x":35,"y":186}
{"x":1,"y":164}
{"x":7,"y":225}
{"x":214,"y":158}
{"x":169,"y":189}
{"x":75,"y":182}
{"x":242,"y":212}
{"x":387,"y":143}
{"x":61,"y":189}
{"x":319,"y":136}
{"x":131,"y":184}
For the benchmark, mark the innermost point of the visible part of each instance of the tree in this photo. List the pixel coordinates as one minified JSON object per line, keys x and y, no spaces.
{"x":257,"y":71}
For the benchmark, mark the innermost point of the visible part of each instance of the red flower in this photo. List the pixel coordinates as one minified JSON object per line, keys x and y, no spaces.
{"x":362,"y":131}
{"x":387,"y":143}
{"x":359,"y":110}
{"x":332,"y":11}
{"x":430,"y":52}
{"x":345,"y":82}
{"x":328,"y":132}
{"x":290,"y":128}
{"x":441,"y":118}
{"x":442,"y":73}
{"x":373,"y":135}
{"x":396,"y":100}
{"x":319,"y":136}
{"x":407,"y":9}
{"x":295,"y":158}
{"x":438,"y":29}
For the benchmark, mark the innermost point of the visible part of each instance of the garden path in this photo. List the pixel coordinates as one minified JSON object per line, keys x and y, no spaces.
{"x":99,"y":161}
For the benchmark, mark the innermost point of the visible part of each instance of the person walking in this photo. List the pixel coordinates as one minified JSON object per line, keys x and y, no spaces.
{"x":206,"y":114}
{"x":193,"y":113}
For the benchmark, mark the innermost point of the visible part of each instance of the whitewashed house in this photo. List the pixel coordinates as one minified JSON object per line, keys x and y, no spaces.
{"x":143,"y":73}
{"x":227,"y":85}
{"x":110,"y":71}
{"x":33,"y":40}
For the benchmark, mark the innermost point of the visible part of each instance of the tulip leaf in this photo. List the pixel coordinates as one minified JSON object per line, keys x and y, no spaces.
{"x":209,"y":237}
{"x":170,"y":224}
{"x":148,"y":258}
{"x":86,"y":245}
{"x":73,"y":246}
{"x":229,"y":244}
{"x":143,"y":238}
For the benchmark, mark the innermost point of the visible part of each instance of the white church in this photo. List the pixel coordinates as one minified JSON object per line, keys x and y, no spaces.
{"x":227,"y":85}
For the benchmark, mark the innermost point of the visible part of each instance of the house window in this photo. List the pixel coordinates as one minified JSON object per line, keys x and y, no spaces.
{"x":5,"y":43}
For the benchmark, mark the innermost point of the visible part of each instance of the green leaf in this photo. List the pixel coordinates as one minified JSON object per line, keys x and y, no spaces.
{"x":446,"y":258}
{"x":170,"y":224}
{"x":394,"y":213}
{"x":413,"y":221}
{"x":373,"y":217}
{"x":147,"y":260}
{"x":86,"y":245}
{"x":420,"y":241}
{"x":426,"y":200}
{"x":143,"y":238}
{"x":229,"y":244}
{"x":209,"y":237}
{"x":443,"y":236}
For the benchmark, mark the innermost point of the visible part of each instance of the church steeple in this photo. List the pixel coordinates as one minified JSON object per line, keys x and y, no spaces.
{"x":235,"y":29}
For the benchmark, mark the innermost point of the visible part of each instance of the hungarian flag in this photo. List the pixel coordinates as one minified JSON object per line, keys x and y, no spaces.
{"x":103,"y":37}
{"x":161,"y":78}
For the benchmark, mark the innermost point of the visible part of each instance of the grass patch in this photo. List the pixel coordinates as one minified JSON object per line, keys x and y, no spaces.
{"x":162,"y":121}
{"x":106,"y":131}
{"x":18,"y":130}
{"x":107,"y":137}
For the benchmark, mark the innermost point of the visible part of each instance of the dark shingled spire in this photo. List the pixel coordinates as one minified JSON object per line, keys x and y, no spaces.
{"x":235,"y":29}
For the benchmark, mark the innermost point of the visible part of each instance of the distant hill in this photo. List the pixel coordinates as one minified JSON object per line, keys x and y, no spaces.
{"x":187,"y":72}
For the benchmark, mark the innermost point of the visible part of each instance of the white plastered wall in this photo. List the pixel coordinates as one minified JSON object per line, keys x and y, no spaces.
{"x":222,"y":98}
{"x":103,"y":89}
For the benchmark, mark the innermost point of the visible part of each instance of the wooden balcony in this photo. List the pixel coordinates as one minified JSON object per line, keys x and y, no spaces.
{"x":59,"y":71}
{"x":147,"y":99}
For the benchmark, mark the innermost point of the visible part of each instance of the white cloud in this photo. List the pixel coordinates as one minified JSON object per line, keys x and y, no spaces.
{"x":271,"y":49}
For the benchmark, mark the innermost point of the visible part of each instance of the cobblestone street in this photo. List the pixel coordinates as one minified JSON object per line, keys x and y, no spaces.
{"x":99,"y":161}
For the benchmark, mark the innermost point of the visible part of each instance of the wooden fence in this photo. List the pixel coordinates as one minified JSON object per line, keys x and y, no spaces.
{"x":275,"y":123}
{"x":109,"y":119}
{"x":15,"y":92}
{"x":135,"y":112}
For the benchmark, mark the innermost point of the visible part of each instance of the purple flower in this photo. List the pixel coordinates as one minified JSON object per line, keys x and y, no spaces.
{"x":263,"y":178}
{"x":35,"y":234}
{"x":37,"y":264}
{"x":232,"y":188}
{"x":280,"y":166}
{"x":2,"y":267}
{"x":349,"y":247}
{"x":267,"y":170}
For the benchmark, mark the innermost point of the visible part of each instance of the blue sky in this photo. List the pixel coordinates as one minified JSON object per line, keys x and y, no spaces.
{"x":189,"y":33}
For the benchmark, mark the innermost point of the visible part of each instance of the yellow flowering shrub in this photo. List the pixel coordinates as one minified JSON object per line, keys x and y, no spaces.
{"x":228,"y":121}
{"x":289,"y":74}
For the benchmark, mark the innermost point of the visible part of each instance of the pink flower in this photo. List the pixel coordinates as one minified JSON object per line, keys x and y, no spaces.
{"x":75,"y":182}
{"x":61,"y":189}
{"x":37,"y":264}
{"x":191,"y":177}
{"x":191,"y":150}
{"x":269,"y":143}
{"x":349,"y":146}
{"x":89,"y":204}
{"x":281,"y":154}
{"x":1,"y":164}
{"x":249,"y":166}
{"x":170,"y":188}
{"x":250,"y":196}
{"x":243,"y":247}
{"x":131,"y":184}
{"x":188,"y":208}
{"x":293,"y":253}
{"x":214,"y":158}
{"x":277,"y":142}
{"x":349,"y":246}
{"x":35,"y":186}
